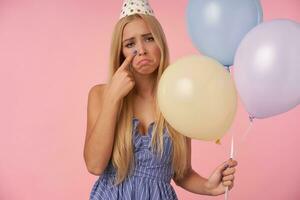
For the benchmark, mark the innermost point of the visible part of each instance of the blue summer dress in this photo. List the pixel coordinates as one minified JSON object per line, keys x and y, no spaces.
{"x":151,"y":176}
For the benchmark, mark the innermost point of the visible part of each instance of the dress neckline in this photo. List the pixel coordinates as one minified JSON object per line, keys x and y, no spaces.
{"x":149,"y":126}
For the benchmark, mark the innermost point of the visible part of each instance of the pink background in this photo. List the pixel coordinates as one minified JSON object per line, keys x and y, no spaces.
{"x":52,"y":52}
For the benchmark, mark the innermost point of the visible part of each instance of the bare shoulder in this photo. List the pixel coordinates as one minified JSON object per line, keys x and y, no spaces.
{"x":96,"y":91}
{"x":95,"y":98}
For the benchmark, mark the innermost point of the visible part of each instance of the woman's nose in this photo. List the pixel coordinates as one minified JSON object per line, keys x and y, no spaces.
{"x":141,"y":50}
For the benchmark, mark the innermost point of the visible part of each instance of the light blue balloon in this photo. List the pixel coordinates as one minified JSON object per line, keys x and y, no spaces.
{"x":216,"y":27}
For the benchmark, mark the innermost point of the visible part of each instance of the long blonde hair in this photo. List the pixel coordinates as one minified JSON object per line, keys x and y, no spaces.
{"x":122,"y":155}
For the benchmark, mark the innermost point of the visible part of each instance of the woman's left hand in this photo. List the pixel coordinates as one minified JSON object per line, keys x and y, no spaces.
{"x":222,"y":177}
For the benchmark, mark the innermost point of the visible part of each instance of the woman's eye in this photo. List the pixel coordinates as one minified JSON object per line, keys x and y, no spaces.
{"x":150,"y":39}
{"x":129,"y":45}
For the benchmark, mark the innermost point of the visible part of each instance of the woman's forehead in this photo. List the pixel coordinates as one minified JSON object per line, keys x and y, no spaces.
{"x":134,"y":28}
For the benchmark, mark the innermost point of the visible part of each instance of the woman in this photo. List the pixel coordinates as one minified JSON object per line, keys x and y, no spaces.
{"x":128,"y":143}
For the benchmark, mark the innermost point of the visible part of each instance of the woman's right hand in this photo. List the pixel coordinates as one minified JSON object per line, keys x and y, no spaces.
{"x":122,"y":81}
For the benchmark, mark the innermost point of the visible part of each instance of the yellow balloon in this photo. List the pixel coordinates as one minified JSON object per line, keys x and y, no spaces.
{"x":197,"y":97}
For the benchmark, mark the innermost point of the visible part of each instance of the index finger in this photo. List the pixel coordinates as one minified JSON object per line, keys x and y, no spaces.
{"x":128,"y":60}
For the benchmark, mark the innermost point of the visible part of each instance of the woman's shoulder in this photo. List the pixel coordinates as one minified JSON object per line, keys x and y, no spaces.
{"x":98,"y":88}
{"x":95,"y":96}
{"x":96,"y":91}
{"x":94,"y":102}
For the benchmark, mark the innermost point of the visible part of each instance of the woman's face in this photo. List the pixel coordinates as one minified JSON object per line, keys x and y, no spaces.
{"x":137,"y":36}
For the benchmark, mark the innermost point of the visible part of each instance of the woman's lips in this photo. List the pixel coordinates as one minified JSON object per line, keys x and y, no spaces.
{"x":144,"y":62}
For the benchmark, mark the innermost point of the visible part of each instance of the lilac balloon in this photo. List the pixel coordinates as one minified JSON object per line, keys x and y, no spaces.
{"x":267,"y":68}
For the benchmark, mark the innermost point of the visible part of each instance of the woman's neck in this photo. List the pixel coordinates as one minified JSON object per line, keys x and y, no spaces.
{"x":144,"y":86}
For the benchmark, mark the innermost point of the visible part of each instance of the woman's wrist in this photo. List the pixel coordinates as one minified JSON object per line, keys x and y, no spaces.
{"x":110,"y":97}
{"x":209,"y":189}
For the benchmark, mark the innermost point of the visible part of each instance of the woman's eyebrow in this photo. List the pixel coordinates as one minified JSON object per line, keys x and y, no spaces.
{"x":143,"y":35}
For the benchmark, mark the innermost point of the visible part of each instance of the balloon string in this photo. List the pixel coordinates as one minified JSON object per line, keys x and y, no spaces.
{"x":248,"y":130}
{"x":232,"y":151}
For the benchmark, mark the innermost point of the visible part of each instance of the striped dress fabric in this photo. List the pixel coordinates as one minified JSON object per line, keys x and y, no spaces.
{"x":151,"y":176}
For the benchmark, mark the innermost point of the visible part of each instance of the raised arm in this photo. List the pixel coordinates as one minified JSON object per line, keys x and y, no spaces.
{"x":104,"y":106}
{"x":102,"y":112}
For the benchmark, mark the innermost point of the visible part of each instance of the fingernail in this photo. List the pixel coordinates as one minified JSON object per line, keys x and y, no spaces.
{"x":226,"y":165}
{"x":134,"y":52}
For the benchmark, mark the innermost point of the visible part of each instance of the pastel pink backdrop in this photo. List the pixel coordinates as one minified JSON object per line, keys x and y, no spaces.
{"x":52,"y":52}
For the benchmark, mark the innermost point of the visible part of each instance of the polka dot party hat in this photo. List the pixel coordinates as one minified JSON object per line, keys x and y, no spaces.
{"x":131,"y":7}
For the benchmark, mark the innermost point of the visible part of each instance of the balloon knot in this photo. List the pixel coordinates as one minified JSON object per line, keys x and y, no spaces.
{"x":218,"y":141}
